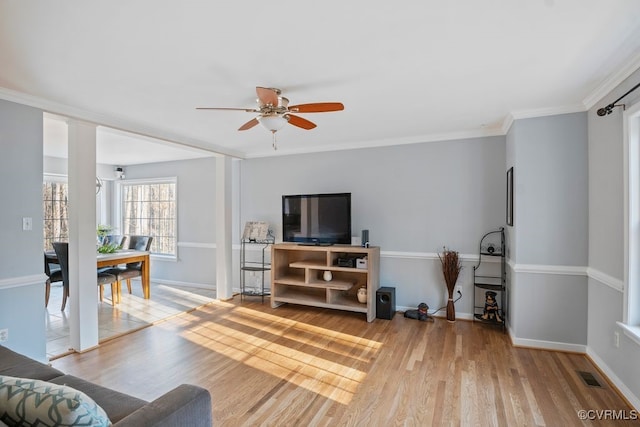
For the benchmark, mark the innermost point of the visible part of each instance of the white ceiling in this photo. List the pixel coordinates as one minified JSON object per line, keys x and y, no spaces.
{"x":115,"y":147}
{"x":407,"y":71}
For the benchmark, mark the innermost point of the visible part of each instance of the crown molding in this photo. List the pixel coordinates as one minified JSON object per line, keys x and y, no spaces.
{"x":612,"y":81}
{"x":439,"y":137}
{"x":506,"y":123}
{"x":547,"y":111}
{"x":538,"y":112}
{"x":609,"y":84}
{"x":116,"y":123}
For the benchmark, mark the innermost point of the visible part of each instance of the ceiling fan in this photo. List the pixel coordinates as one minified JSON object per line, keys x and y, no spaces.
{"x":274,"y":111}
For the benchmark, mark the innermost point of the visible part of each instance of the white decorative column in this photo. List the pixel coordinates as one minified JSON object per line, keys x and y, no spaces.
{"x":83,"y":289}
{"x":224,"y":276}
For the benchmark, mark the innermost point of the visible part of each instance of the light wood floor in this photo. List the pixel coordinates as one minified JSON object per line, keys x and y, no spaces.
{"x":132,"y":313}
{"x":299,"y":366}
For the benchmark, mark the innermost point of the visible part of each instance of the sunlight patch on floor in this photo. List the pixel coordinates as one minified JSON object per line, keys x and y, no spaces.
{"x":308,"y":338}
{"x":314,"y":372}
{"x":335,"y":335}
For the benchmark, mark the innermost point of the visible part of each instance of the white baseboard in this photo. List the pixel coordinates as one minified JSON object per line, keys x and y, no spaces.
{"x":547,"y":345}
{"x":611,"y":376}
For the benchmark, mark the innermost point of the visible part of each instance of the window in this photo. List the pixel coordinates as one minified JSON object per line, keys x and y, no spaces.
{"x":631,"y":315}
{"x":149,"y":208}
{"x":54,"y":209}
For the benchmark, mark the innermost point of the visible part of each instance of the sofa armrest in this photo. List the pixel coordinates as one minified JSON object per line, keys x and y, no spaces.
{"x":184,"y":406}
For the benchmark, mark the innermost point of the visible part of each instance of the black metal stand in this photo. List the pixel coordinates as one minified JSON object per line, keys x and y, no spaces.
{"x":260,"y":266}
{"x":491,"y":306}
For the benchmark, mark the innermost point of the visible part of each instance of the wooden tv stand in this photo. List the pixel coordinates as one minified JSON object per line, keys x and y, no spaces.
{"x":297,"y":277}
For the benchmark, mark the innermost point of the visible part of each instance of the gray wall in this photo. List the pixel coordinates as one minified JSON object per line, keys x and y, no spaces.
{"x":21,"y":300}
{"x":414,"y":199}
{"x":549,"y":157}
{"x":551,"y":196}
{"x":606,"y":242}
{"x":196,"y":220}
{"x":196,"y":215}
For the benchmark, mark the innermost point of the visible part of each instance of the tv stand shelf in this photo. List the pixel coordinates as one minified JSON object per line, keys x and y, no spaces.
{"x":297,"y":277}
{"x":333,"y":284}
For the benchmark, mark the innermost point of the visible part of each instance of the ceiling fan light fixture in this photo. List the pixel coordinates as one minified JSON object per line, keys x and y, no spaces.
{"x":273,"y":123}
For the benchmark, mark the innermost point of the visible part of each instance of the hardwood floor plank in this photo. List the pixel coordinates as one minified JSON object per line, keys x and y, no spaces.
{"x":296,"y":365}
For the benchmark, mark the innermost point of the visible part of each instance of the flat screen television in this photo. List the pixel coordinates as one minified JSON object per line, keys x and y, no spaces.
{"x":317,"y":219}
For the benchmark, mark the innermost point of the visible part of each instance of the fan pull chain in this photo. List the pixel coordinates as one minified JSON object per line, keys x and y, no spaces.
{"x":274,"y":144}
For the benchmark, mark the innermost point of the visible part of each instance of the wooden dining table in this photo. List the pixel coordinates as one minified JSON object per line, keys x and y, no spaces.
{"x":123,"y":256}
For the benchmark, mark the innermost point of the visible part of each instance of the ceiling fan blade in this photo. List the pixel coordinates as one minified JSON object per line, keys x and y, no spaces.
{"x":267,"y":96}
{"x":318,"y":107}
{"x":300,"y":122}
{"x":248,"y":110}
{"x":251,"y":123}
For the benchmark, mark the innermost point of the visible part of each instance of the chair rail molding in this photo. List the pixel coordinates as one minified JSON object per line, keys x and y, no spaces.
{"x":564,"y":270}
{"x":568,"y":270}
{"x":197,"y":245}
{"x":17,"y":282}
{"x":429,"y":255}
{"x":180,"y":283}
{"x":605,"y":279}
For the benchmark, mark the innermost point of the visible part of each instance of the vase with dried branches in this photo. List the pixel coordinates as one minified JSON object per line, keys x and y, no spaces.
{"x":450,"y":269}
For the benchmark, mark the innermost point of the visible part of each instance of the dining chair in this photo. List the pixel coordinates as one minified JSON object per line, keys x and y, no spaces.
{"x":133,"y":269}
{"x":53,"y":275}
{"x":114,"y":238}
{"x":62,"y":252}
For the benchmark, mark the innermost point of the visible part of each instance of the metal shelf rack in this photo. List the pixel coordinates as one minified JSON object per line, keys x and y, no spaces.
{"x":485,"y":279}
{"x":253,"y":265}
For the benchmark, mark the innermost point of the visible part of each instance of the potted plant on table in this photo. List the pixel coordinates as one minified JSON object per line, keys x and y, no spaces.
{"x":451,"y":270}
{"x":105,"y":247}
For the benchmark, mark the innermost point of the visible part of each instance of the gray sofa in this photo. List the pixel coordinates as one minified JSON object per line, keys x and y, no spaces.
{"x":185,"y":405}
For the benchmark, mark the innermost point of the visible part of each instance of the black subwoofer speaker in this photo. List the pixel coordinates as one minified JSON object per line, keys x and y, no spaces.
{"x":385,"y":303}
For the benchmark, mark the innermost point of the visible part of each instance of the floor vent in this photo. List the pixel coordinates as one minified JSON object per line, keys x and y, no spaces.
{"x":589,"y":379}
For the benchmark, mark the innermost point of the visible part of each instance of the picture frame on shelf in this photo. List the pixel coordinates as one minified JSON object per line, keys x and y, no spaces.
{"x":255,"y":231}
{"x":510,"y":196}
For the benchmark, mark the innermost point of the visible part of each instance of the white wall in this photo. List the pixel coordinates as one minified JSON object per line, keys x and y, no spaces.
{"x":21,"y":275}
{"x":413,"y":199}
{"x":606,"y":244}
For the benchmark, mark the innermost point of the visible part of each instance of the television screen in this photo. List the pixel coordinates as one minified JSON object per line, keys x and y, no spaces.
{"x":317,"y":218}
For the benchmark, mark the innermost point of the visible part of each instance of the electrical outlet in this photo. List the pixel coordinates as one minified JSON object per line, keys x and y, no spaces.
{"x":459,"y":289}
{"x":616,"y":339}
{"x":4,"y":335}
